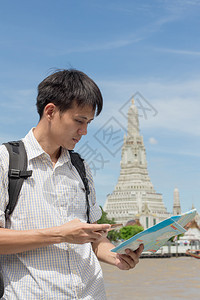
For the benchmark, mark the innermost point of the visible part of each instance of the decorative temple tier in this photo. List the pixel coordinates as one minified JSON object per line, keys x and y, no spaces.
{"x":134,"y":196}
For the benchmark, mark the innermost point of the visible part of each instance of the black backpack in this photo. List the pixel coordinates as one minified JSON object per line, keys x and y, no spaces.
{"x":18,"y":173}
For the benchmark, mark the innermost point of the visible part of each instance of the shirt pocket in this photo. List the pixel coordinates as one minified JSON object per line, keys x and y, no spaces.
{"x":72,"y":202}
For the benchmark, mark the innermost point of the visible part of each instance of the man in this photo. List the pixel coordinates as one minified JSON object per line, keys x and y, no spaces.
{"x":47,"y":248}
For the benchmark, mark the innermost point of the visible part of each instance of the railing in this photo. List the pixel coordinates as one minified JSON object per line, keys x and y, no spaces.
{"x":172,"y":249}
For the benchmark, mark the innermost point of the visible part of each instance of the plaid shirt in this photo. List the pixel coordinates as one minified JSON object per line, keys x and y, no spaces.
{"x":51,"y":197}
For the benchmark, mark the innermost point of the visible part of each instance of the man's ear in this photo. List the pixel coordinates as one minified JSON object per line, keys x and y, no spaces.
{"x":49,"y":111}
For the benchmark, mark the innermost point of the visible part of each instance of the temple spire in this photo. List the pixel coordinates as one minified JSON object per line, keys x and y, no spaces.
{"x":176,"y":205}
{"x":133,"y":122}
{"x":134,"y":195}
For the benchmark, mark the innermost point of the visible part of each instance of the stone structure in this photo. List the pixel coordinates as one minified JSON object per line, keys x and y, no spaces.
{"x":176,"y":205}
{"x":134,"y":196}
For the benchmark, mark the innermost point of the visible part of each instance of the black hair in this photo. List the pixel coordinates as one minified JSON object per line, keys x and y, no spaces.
{"x":64,"y":87}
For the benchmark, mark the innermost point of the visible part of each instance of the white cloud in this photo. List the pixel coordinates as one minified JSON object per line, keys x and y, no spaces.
{"x":177,"y":103}
{"x":179,"y":51}
{"x":83,"y":47}
{"x":153,"y":141}
{"x":138,"y":32}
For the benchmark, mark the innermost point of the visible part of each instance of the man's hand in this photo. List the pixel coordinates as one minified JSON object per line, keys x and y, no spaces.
{"x":77,"y":232}
{"x":129,"y":260}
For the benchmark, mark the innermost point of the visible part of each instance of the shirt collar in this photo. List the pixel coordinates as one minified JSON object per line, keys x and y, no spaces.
{"x":34,"y":149}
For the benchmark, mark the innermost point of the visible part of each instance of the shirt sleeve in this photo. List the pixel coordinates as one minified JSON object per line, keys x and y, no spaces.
{"x":95,"y":210}
{"x":4,"y":163}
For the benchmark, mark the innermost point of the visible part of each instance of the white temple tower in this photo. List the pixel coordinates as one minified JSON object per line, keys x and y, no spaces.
{"x":176,"y":205}
{"x":134,"y":196}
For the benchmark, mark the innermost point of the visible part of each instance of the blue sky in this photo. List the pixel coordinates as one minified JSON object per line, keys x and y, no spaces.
{"x":147,"y":48}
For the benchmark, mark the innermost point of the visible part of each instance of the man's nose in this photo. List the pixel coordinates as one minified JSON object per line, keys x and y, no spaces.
{"x":83,"y":130}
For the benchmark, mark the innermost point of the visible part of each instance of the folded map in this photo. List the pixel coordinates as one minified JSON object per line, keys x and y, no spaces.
{"x":156,"y":236}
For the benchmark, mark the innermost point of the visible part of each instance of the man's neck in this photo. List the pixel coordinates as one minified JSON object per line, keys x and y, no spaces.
{"x":47,"y":145}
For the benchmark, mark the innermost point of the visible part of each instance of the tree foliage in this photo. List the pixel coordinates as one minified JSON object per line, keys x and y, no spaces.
{"x":114,"y":235}
{"x":104,"y":219}
{"x":128,"y":231}
{"x":124,"y":233}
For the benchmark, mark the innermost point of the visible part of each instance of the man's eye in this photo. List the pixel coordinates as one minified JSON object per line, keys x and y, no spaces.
{"x":80,"y":122}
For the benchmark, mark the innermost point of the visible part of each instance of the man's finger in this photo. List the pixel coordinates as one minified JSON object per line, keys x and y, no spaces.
{"x":100,"y":227}
{"x":139,"y":250}
{"x":134,"y":256}
{"x":129,"y":260}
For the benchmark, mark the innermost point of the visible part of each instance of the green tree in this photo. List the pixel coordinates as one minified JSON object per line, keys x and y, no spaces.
{"x":128,"y":231}
{"x":114,"y":235}
{"x":104,"y":219}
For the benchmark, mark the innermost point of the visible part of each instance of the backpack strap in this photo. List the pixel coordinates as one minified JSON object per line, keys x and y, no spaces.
{"x":1,"y":286}
{"x":78,"y":163}
{"x":17,"y":172}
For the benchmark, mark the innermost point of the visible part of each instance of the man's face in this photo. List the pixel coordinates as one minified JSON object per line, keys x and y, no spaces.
{"x":68,"y":127}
